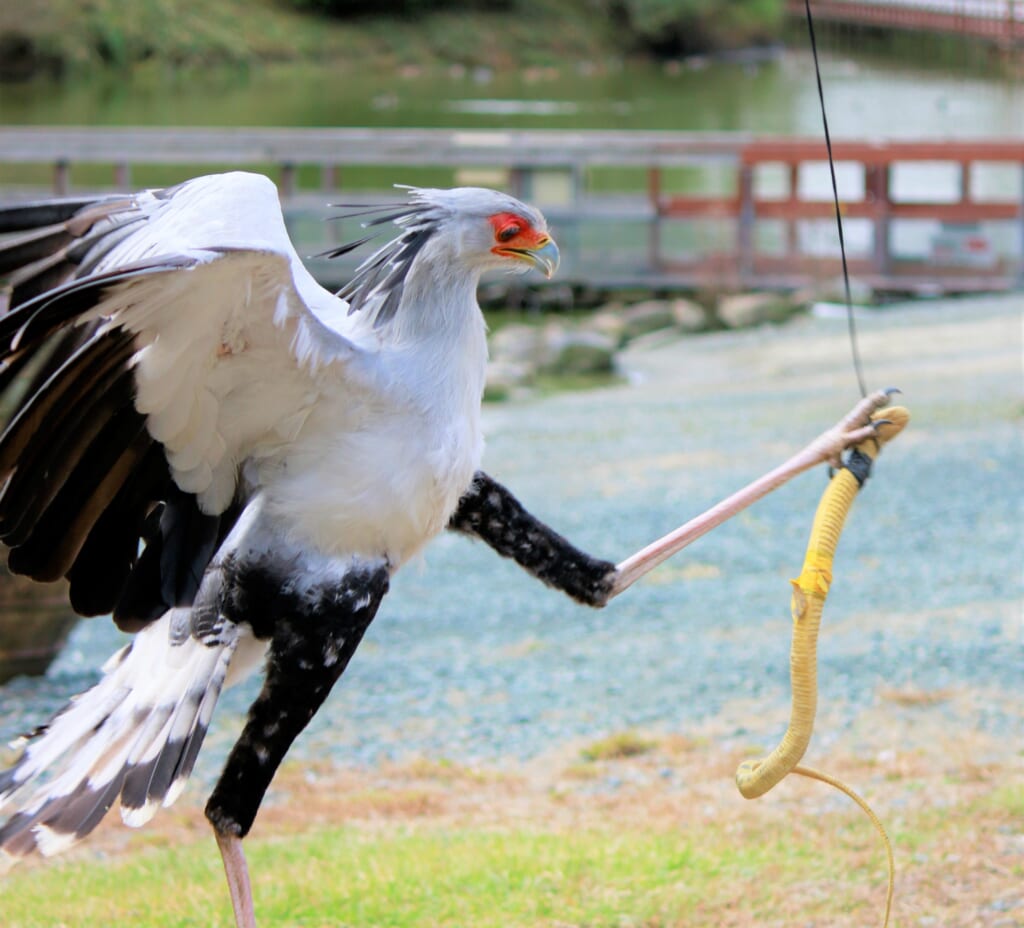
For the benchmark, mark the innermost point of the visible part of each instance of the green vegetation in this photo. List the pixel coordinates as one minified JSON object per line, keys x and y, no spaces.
{"x":607,"y":842}
{"x":68,"y":35}
{"x":675,"y":27}
{"x":488,"y":878}
{"x":644,"y":860}
{"x":351,"y":8}
{"x":618,"y":745}
{"x":64,"y":36}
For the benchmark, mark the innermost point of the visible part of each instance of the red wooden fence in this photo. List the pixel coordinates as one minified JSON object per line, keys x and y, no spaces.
{"x":877,"y":204}
{"x":998,"y":21}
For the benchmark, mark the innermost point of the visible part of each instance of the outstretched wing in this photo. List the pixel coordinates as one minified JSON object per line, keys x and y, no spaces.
{"x":151,"y":345}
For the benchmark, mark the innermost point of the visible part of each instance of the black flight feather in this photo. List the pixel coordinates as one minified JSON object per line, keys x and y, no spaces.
{"x":172,"y":564}
{"x":78,"y":258}
{"x":31,"y":247}
{"x":23,"y":375}
{"x":52,"y":457}
{"x":141,"y":601}
{"x":46,"y":255}
{"x":79,"y":373}
{"x":38,"y":277}
{"x":44,"y":315}
{"x":101,"y":570}
{"x":32,"y":215}
{"x":59,"y":533}
{"x":189,"y":542}
{"x":11,"y":369}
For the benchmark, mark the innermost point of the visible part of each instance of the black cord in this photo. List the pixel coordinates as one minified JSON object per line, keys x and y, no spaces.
{"x":851,"y":322}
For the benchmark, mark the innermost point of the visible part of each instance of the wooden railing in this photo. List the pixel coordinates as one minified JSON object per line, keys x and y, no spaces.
{"x":998,"y":21}
{"x":523,"y":153}
{"x":556,"y":168}
{"x":877,"y":203}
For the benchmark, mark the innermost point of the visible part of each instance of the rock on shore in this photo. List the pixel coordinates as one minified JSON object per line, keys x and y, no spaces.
{"x":521,"y":353}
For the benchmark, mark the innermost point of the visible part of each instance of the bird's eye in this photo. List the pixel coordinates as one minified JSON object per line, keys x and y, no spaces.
{"x":509,"y":233}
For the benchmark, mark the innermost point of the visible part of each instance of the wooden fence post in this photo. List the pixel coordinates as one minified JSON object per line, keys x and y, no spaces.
{"x":792,"y":239}
{"x":122,"y":175}
{"x":61,"y":177}
{"x":877,"y":184}
{"x":745,"y":227}
{"x":288,"y":180}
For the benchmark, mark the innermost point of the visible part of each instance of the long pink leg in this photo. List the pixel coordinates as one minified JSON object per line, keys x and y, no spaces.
{"x":237,"y":872}
{"x":850,"y":430}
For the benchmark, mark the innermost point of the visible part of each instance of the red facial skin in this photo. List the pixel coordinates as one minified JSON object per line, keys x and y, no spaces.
{"x":526,"y":238}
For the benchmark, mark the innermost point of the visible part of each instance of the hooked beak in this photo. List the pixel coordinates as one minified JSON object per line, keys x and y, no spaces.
{"x":544,"y":255}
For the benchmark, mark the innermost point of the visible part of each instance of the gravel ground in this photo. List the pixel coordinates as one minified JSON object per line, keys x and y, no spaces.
{"x":472,"y":660}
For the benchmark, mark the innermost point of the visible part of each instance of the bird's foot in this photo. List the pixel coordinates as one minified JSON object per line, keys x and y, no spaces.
{"x":867,"y":420}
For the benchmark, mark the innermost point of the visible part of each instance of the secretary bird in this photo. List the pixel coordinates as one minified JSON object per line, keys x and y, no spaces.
{"x":233,"y":461}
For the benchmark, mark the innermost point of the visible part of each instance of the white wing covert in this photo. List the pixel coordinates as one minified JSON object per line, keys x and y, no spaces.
{"x":153,"y":344}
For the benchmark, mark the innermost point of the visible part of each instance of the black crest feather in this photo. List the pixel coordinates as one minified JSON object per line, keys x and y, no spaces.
{"x":378,"y":283}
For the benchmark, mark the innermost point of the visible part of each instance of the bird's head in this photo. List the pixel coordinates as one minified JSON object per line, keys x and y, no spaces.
{"x":474,"y":228}
{"x":491,"y":230}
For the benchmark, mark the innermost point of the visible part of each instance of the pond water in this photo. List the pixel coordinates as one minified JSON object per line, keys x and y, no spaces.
{"x":777,"y":94}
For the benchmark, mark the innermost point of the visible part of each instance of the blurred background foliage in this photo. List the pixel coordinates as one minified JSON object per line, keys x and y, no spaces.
{"x":675,"y":27}
{"x":63,"y":36}
{"x":343,"y":8}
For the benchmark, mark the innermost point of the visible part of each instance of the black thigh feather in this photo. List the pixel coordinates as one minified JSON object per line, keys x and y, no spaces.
{"x":490,"y":512}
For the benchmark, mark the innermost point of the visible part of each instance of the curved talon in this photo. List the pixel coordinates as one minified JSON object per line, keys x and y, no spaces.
{"x":892,"y":391}
{"x":861,"y":413}
{"x":876,"y":439}
{"x":890,"y":422}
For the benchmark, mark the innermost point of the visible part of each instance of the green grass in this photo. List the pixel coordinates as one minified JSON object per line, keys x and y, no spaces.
{"x":1010,"y":798}
{"x":618,"y":745}
{"x":483,"y":878}
{"x":649,"y":857}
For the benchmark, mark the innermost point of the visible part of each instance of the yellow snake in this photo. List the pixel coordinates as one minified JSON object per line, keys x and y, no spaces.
{"x":755,"y":777}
